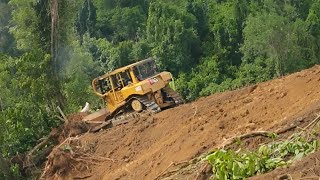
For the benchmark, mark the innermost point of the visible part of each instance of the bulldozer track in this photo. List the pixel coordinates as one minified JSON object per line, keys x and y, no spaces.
{"x":120,"y":117}
{"x":174,"y":95}
{"x":116,"y":120}
{"x":149,"y":104}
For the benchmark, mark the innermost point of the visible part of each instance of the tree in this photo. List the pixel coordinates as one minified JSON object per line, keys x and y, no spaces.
{"x":86,"y":20}
{"x":172,"y":37}
{"x":313,"y":25}
{"x":276,"y":41}
{"x":7,"y":43}
{"x":120,"y":20}
{"x":79,"y":72}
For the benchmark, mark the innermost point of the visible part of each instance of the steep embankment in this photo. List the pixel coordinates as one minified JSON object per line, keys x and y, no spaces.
{"x":145,"y":147}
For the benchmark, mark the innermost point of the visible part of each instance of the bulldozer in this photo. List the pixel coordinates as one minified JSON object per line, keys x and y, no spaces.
{"x":132,"y":89}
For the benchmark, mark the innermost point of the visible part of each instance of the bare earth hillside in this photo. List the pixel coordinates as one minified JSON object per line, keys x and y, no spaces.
{"x":148,"y":146}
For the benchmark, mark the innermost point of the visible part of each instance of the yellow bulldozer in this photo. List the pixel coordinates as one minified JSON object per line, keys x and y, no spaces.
{"x":134,"y":88}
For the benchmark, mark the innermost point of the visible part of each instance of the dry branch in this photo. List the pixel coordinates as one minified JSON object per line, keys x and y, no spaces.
{"x":312,"y":123}
{"x":38,"y":146}
{"x":83,"y":177}
{"x":62,"y":114}
{"x":267,"y":133}
{"x":182,"y":164}
{"x":244,"y":136}
{"x":60,"y":118}
{"x":46,"y":168}
{"x":74,"y":154}
{"x":172,"y":163}
{"x":286,"y":129}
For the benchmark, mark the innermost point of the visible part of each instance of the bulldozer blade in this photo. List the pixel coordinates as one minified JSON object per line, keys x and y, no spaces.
{"x":101,"y":126}
{"x":96,"y":117}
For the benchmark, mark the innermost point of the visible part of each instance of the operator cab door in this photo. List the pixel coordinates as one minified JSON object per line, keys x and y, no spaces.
{"x":116,"y":88}
{"x":106,"y":90}
{"x":120,"y":81}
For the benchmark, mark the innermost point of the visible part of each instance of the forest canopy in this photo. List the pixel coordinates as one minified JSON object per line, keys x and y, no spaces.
{"x":50,"y":50}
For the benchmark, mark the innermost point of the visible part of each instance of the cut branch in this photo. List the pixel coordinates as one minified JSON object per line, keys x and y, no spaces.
{"x":244,"y":136}
{"x":62,"y":114}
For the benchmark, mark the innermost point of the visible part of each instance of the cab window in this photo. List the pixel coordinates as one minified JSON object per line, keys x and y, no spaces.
{"x":126,"y":78}
{"x":121,"y":79}
{"x":104,"y":85}
{"x":145,"y":70}
{"x":116,"y":83}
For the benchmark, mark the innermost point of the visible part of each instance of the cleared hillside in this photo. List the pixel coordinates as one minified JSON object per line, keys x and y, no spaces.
{"x":147,"y":147}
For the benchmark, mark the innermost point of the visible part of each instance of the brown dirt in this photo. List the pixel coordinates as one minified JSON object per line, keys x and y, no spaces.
{"x":150,"y":145}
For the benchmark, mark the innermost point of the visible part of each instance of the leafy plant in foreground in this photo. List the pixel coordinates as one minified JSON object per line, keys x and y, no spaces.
{"x":228,"y":164}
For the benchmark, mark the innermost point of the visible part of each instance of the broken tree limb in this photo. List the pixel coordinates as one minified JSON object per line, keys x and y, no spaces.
{"x":38,"y":146}
{"x":244,"y":136}
{"x":83,"y":177}
{"x":312,"y":123}
{"x":60,"y":118}
{"x":286,"y":129}
{"x":267,"y":133}
{"x":37,"y":159}
{"x":62,"y":114}
{"x":172,"y":163}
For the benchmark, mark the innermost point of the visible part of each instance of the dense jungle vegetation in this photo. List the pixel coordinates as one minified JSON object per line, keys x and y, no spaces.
{"x":50,"y":50}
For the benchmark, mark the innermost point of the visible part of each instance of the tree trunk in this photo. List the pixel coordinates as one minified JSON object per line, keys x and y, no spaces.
{"x":54,"y":10}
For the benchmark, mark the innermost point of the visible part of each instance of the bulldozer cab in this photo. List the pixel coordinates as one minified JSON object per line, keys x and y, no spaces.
{"x":112,"y":84}
{"x":109,"y":86}
{"x":125,"y":76}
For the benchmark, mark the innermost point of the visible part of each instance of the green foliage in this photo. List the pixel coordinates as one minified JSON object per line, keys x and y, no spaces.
{"x":275,"y":40}
{"x":250,"y":43}
{"x":313,"y":21}
{"x":202,"y":76}
{"x":7,"y":43}
{"x":25,"y":115}
{"x":172,"y":37}
{"x":228,"y":164}
{"x":258,"y":71}
{"x":86,"y":20}
{"x":119,"y":23}
{"x":112,"y":56}
{"x":211,"y":46}
{"x":25,"y":22}
{"x":79,"y":72}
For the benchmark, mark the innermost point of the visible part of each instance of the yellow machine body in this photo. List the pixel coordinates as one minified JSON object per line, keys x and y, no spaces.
{"x":141,"y":82}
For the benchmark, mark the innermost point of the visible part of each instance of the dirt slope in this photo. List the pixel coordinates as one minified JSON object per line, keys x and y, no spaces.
{"x":145,"y":147}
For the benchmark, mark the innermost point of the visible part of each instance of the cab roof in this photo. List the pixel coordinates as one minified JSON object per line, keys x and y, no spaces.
{"x":126,"y":67}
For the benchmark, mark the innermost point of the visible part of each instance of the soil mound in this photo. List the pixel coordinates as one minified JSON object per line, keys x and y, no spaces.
{"x":73,"y":127}
{"x":146,"y":147}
